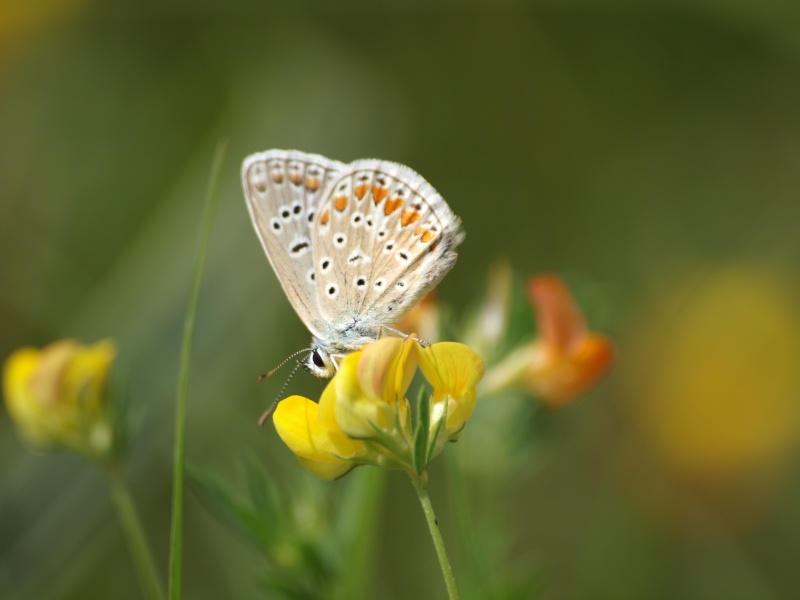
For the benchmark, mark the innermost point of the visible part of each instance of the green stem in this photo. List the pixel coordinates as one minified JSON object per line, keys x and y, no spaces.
{"x":176,"y":541}
{"x":132,"y":526}
{"x":438,"y":542}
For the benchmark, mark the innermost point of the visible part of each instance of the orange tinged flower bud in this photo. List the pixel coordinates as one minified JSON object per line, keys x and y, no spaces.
{"x":565,"y":360}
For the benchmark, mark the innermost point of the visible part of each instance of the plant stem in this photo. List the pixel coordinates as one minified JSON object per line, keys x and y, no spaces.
{"x":176,"y":541}
{"x":438,"y":542}
{"x":132,"y":526}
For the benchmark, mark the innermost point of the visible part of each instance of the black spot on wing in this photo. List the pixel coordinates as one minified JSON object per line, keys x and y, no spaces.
{"x":299,"y":246}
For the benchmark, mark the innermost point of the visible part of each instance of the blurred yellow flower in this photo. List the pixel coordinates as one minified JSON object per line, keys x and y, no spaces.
{"x":715,"y":374}
{"x":22,"y":18}
{"x":363,"y":416}
{"x":565,"y":360}
{"x":58,"y":396}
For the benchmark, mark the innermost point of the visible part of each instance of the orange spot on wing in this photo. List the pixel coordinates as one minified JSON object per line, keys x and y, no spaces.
{"x":295,"y":177}
{"x":261,"y":186}
{"x":312,"y":183}
{"x":379,"y":193}
{"x":326,"y":216}
{"x":392,"y":204}
{"x":340,"y":203}
{"x":408,"y":217}
{"x":361,"y":190}
{"x":426,"y":235}
{"x":277,"y":177}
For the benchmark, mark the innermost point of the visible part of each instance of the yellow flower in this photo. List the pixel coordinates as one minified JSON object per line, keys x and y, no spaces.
{"x":58,"y":396}
{"x":311,"y":433}
{"x":714,"y":374}
{"x":372,"y":384}
{"x":565,"y":360}
{"x":454,"y":371}
{"x":363,"y":416}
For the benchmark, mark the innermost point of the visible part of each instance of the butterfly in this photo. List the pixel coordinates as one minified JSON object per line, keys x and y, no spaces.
{"x":354,"y":246}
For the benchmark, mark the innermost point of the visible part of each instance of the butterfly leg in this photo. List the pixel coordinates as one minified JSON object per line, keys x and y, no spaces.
{"x":399,"y":333}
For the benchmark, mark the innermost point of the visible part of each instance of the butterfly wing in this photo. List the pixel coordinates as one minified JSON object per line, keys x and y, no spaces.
{"x":383,"y":237}
{"x":283,"y":189}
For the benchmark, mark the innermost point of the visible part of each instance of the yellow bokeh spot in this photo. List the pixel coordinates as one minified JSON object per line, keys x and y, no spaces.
{"x":717,"y":373}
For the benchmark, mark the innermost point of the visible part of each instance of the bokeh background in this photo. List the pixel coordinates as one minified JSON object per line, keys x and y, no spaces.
{"x":649,"y":152}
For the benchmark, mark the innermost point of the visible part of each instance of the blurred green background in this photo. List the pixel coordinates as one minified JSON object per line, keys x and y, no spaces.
{"x":649,"y":152}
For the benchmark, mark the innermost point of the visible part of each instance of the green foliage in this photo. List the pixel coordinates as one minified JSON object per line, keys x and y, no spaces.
{"x":312,"y":547}
{"x":422,"y":431}
{"x":291,"y":530}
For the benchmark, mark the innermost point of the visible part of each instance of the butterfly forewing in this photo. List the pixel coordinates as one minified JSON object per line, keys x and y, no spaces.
{"x":284,"y":190}
{"x":382,"y":238}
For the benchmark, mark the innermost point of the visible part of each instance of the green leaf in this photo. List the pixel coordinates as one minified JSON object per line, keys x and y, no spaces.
{"x":435,"y":437}
{"x":229,"y":508}
{"x":263,"y":493}
{"x":422,"y":432}
{"x":179,"y":453}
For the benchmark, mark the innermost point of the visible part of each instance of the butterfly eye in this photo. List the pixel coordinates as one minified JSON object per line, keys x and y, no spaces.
{"x":317,"y":359}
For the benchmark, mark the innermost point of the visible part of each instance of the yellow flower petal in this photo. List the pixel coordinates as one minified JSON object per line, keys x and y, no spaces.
{"x":453,"y":370}
{"x":86,"y":376}
{"x":387,"y":367}
{"x":23,"y":406}
{"x":358,"y":410}
{"x":318,"y":448}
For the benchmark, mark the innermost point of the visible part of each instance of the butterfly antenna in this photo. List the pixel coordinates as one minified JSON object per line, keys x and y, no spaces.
{"x":269,"y":374}
{"x":263,"y":418}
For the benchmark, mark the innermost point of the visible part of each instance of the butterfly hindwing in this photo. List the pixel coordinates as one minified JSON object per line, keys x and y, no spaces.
{"x":381,"y":239}
{"x":284,"y":189}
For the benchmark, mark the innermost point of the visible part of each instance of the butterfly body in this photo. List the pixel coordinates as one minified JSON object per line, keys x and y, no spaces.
{"x":354,"y":246}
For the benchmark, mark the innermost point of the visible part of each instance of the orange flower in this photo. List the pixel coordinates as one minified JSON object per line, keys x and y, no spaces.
{"x":565,"y":360}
